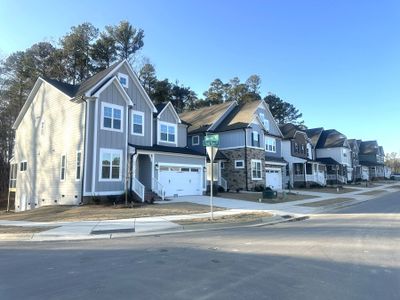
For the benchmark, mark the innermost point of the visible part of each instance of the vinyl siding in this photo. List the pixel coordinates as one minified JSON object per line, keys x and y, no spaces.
{"x":278,"y":152}
{"x":231,"y":139}
{"x":63,"y":133}
{"x":199,"y":148}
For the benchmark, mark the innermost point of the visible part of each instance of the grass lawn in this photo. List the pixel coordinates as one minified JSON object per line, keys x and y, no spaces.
{"x":256,"y":196}
{"x":239,"y":218}
{"x":376,"y":192}
{"x":395,"y":187}
{"x":18,"y":229}
{"x":330,"y":190}
{"x":104,"y":212}
{"x":327,"y":202}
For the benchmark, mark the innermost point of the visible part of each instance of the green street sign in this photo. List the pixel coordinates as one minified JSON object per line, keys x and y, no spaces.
{"x":211,"y":140}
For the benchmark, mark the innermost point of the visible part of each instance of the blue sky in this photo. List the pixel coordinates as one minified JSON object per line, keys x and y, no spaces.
{"x":337,"y":61}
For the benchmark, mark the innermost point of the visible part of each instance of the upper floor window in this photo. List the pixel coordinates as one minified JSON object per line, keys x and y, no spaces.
{"x":302,"y":148}
{"x":137,"y":123}
{"x":195,"y":140}
{"x":63,"y":166}
{"x":296,"y":147}
{"x":110,"y":164}
{"x":264,"y":120}
{"x":167,"y":132}
{"x":124,"y":80}
{"x":255,"y":140}
{"x":270,"y":144}
{"x":23,"y":166}
{"x":112,"y":117}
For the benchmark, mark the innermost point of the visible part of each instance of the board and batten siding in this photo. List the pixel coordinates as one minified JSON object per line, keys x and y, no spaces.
{"x":273,"y":127}
{"x":169,"y":117}
{"x":232,"y":139}
{"x":41,"y":146}
{"x":110,"y":140}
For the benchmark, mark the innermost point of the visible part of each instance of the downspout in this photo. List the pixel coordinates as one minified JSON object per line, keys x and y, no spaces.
{"x":84,"y":150}
{"x":245,"y":158}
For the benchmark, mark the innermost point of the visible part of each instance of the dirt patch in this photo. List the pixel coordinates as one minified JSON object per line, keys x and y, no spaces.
{"x":105,"y":212}
{"x":376,"y":192}
{"x":255,"y":197}
{"x":330,"y":190}
{"x":327,"y":202}
{"x":239,"y":218}
{"x":19,"y":229}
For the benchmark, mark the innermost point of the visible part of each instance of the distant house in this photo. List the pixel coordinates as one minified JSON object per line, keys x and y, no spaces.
{"x":333,"y":150}
{"x":299,"y":152}
{"x":371,"y":155}
{"x":103,"y":137}
{"x":358,"y":173}
{"x":250,"y":144}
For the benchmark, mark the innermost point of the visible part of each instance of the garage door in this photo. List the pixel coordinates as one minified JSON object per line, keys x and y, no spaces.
{"x":273,"y":178}
{"x":181,"y":181}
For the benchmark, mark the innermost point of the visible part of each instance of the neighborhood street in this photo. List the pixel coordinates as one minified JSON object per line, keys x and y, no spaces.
{"x":352,"y":253}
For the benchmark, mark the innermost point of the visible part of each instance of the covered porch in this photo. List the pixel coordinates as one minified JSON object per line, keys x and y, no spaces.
{"x":336,"y":173}
{"x":309,"y":173}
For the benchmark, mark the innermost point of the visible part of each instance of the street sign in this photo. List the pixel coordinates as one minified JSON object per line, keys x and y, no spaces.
{"x":211,"y":140}
{"x":211,"y":151}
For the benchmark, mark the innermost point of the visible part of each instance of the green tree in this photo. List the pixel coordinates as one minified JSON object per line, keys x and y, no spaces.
{"x":282,"y":111}
{"x":162,"y":91}
{"x":147,"y":77}
{"x":128,"y":39}
{"x":103,"y":51}
{"x":217,"y":92}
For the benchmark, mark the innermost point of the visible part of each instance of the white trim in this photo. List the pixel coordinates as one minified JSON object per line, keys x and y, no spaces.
{"x":112,"y":106}
{"x":124,"y":76}
{"x":273,"y":145}
{"x":76,"y":165}
{"x":120,"y":88}
{"x":84,"y":170}
{"x":65,"y":166}
{"x":239,"y":160}
{"x":121,"y":160}
{"x":229,"y":148}
{"x":222,"y":116}
{"x":173,"y":111}
{"x":253,"y":147}
{"x":198,"y":140}
{"x":168,"y":153}
{"x":256,"y":161}
{"x":95,"y":133}
{"x":127,"y":156}
{"x":136,"y":112}
{"x":152,"y":159}
{"x":179,"y":165}
{"x":168,"y":125}
{"x":105,"y":193}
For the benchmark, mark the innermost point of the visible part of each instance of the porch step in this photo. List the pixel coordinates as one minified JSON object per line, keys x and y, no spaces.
{"x":150,"y":196}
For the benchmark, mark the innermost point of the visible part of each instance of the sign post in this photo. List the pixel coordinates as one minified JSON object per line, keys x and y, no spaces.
{"x":211,"y":142}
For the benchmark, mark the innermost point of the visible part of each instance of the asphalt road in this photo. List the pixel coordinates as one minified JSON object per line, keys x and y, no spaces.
{"x":353,"y":253}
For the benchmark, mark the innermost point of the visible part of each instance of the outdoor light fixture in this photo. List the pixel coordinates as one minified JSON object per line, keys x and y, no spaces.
{"x":156,"y":165}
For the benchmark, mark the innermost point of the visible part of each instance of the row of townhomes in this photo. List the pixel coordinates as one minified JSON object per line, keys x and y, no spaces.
{"x":105,"y":137}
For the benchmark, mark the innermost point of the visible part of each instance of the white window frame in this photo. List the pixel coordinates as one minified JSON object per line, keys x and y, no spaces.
{"x":112,"y":106}
{"x":198,"y":140}
{"x":239,"y":161}
{"x":264,"y":120}
{"x":222,"y":164}
{"x":160,"y":123}
{"x":78,"y":166}
{"x":139,"y":113}
{"x":124,"y":76}
{"x":253,"y":163}
{"x":61,"y":166}
{"x":111,"y":152}
{"x":20,"y":165}
{"x":269,"y":141}
{"x":254,"y":139}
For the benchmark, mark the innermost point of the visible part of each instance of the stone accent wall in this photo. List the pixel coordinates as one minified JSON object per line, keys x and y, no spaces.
{"x":236,"y":178}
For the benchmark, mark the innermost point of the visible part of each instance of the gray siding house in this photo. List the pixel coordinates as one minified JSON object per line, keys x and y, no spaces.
{"x":100,"y":138}
{"x":372,"y":156}
{"x":250,"y":144}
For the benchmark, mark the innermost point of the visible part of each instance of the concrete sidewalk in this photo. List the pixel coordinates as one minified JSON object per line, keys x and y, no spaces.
{"x":152,"y":225}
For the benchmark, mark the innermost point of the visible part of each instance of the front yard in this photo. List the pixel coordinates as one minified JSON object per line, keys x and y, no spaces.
{"x":330,"y":190}
{"x":104,"y":212}
{"x":229,"y":219}
{"x":288,"y":197}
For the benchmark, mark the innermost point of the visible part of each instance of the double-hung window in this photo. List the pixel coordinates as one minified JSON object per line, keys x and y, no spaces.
{"x":256,"y":169}
{"x":270,"y":144}
{"x":124,"y":80}
{"x":63,"y":166}
{"x":264,"y":120}
{"x":110,"y":164}
{"x":23,"y":166}
{"x":137,"y":123}
{"x":195,"y":140}
{"x":255,"y":141}
{"x":112,"y":117}
{"x":167,"y":132}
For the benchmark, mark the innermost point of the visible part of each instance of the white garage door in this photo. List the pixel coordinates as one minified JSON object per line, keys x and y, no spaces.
{"x":273,"y":179}
{"x":181,"y":181}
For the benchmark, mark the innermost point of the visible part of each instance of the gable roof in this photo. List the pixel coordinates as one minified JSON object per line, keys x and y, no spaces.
{"x":290,"y":130}
{"x":353,"y":144}
{"x":369,"y":147}
{"x":331,"y":139}
{"x":314,"y":134}
{"x":202,"y":119}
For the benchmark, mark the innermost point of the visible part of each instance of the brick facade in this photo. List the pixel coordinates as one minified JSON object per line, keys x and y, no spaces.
{"x":236,"y":178}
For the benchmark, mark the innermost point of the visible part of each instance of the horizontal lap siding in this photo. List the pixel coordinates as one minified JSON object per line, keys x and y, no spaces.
{"x":63,"y":133}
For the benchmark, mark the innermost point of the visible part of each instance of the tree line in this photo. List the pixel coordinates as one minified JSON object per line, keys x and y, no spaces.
{"x":84,"y":51}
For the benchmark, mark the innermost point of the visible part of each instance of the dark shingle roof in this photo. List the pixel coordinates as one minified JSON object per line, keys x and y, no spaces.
{"x":274,"y":159}
{"x":332,"y":138}
{"x":327,"y":161}
{"x":160,"y":148}
{"x":289,"y":130}
{"x":369,"y":147}
{"x":68,"y":89}
{"x":314,"y":134}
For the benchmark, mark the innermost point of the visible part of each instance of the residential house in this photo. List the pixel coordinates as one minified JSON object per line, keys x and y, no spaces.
{"x":333,"y":150}
{"x":298,"y":151}
{"x":358,"y":173}
{"x":371,"y":155}
{"x":103,"y":137}
{"x":249,"y":152}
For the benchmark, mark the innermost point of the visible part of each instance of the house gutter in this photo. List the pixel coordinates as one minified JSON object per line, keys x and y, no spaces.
{"x":245,"y":158}
{"x":84,"y":150}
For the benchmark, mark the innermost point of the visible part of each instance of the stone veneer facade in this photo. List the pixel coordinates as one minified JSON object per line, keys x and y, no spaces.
{"x":236,"y":178}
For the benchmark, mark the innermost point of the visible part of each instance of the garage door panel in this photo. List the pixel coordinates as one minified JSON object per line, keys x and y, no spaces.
{"x":181,"y":181}
{"x":273,"y":179}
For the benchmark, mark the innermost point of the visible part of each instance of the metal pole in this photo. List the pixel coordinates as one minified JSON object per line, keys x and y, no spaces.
{"x":212,"y":183}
